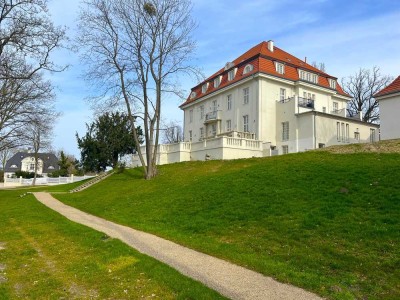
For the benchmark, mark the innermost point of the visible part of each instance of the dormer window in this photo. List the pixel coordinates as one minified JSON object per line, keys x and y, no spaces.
{"x":13,"y":167}
{"x":193,"y":95}
{"x":51,"y":168}
{"x":231,"y":74}
{"x":248,"y":69}
{"x":332,"y":83}
{"x":280,"y":68}
{"x":217,"y":81}
{"x":308,"y":76}
{"x":204,"y":88}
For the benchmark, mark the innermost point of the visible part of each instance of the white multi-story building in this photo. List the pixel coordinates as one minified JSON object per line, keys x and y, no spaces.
{"x":389,"y":107}
{"x":265,"y":102}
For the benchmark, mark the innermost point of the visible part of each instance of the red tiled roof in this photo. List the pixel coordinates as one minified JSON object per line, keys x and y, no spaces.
{"x":392,"y":88}
{"x":263,"y":61}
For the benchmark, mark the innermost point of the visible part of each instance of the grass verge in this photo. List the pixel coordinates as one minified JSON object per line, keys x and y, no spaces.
{"x":45,"y":256}
{"x":325,"y":222}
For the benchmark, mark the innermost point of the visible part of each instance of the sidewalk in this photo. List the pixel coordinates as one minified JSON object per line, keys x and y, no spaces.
{"x":230,"y":280}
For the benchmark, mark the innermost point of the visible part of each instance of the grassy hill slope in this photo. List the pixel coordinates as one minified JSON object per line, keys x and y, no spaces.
{"x":327,"y":222}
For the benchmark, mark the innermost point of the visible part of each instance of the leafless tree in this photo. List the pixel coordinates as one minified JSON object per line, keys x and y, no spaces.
{"x":361,"y":87}
{"x":134,"y":50}
{"x":319,"y":66}
{"x":172,"y":133}
{"x":37,"y":134}
{"x":27,"y":38}
{"x":5,"y":155}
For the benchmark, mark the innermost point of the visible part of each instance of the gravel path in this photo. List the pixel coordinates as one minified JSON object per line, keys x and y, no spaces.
{"x":228,"y":279}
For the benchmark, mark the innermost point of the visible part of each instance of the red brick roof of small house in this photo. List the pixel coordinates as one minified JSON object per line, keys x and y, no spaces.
{"x":392,"y":88}
{"x":263,"y":61}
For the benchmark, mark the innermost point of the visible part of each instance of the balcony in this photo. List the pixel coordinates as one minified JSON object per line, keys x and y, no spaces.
{"x":306,"y":103}
{"x":339,"y":112}
{"x":212,"y":117}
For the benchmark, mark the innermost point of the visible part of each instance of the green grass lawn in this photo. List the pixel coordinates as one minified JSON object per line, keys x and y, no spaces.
{"x":45,"y":256}
{"x":326,"y":222}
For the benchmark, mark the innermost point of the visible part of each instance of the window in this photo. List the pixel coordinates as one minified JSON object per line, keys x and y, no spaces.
{"x":193,"y":95}
{"x":307,"y":76}
{"x":214,"y":130}
{"x":342,"y":128}
{"x":248,"y":69}
{"x":217,"y":81}
{"x":285,"y":149}
{"x":335,"y":107}
{"x":204,"y":88}
{"x":372,"y":135}
{"x":246,"y":123}
{"x":190,"y":136}
{"x":321,"y":145}
{"x":347,"y":133}
{"x":282,"y":95}
{"x":214,"y":106}
{"x":201,"y":133}
{"x":246,"y":96}
{"x":332,"y":83}
{"x":280,"y":68}
{"x":324,"y":109}
{"x":231,"y":74}
{"x":229,"y":102}
{"x":357,"y":136}
{"x":32,"y":167}
{"x":338,"y":131}
{"x":228,"y":125}
{"x":285,"y":131}
{"x":50,"y":168}
{"x":191,"y":116}
{"x":305,"y":95}
{"x":309,"y":96}
{"x":202,"y":112}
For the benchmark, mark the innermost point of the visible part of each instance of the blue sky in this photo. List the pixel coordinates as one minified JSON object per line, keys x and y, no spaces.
{"x":344,"y":35}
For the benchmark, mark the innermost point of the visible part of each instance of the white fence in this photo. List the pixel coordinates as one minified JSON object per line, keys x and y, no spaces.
{"x":44,"y":180}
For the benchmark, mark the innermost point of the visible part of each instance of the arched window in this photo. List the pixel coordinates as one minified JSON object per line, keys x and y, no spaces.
{"x":248,"y":69}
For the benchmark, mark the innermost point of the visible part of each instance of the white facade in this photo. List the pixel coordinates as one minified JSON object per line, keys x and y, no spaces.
{"x":266,"y":102}
{"x":389,"y":107}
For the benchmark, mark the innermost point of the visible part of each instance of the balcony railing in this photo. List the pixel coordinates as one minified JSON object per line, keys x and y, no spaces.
{"x":339,"y":112}
{"x":212,"y":116}
{"x":306,"y":103}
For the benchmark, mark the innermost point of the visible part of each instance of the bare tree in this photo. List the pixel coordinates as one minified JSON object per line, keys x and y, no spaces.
{"x":27,"y":38}
{"x":172,"y":133}
{"x":134,"y":50}
{"x":5,"y":155}
{"x":38,"y":134}
{"x":319,"y":66}
{"x":361,"y":87}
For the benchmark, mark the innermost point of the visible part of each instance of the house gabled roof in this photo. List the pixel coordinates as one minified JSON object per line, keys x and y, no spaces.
{"x":50,"y":162}
{"x":262,"y":60}
{"x":392,"y":88}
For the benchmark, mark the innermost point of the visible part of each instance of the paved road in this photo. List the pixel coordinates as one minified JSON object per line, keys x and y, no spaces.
{"x":230,"y":280}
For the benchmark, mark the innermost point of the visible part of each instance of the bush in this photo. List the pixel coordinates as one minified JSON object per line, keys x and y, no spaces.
{"x":26,"y":175}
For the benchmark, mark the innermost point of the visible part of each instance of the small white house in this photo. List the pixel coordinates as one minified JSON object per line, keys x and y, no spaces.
{"x":389,"y":108}
{"x":24,"y":161}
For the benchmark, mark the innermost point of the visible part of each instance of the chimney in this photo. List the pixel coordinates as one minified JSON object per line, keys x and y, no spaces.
{"x":305,"y":59}
{"x":270,"y":45}
{"x":360,"y":115}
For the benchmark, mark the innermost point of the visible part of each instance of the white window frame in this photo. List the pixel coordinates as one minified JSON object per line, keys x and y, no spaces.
{"x":214,"y":106}
{"x":217,"y":82}
{"x":246,"y":95}
{"x":285,"y":131}
{"x":285,"y":149}
{"x":338,"y":131}
{"x":191,"y":116}
{"x":282,"y":94}
{"x":246,"y":123}
{"x":372,"y":135}
{"x":228,"y":125}
{"x":335,"y":106}
{"x":229,"y":102}
{"x":214,"y":129}
{"x":248,"y":68}
{"x":332,"y":83}
{"x":280,"y":68}
{"x":231,"y":74}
